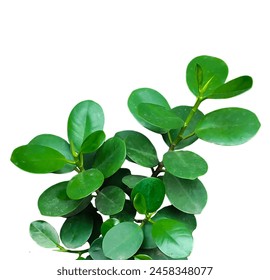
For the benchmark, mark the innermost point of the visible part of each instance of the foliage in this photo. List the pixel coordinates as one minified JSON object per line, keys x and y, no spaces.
{"x":120,"y":215}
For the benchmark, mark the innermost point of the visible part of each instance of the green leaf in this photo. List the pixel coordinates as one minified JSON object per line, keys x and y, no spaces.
{"x":213,"y":73}
{"x":153,"y":191}
{"x":182,"y":112}
{"x":127,"y":214}
{"x":107,"y":225}
{"x":132,"y":180}
{"x":142,"y":257}
{"x":58,"y":144}
{"x":76,"y":230}
{"x":162,"y":118}
{"x":96,"y":251}
{"x":184,"y":164}
{"x":140,"y":203}
{"x":126,"y":239}
{"x":84,"y":183}
{"x":110,"y":156}
{"x":97,"y":223}
{"x":148,"y":242}
{"x":85,"y":118}
{"x":55,"y":202}
{"x":156,"y":254}
{"x":110,"y":200}
{"x":232,"y":88}
{"x":228,"y":126}
{"x":93,"y":141}
{"x":37,"y":159}
{"x":173,"y":238}
{"x":145,"y":95}
{"x":139,"y":148}
{"x":44,"y":234}
{"x":188,"y":196}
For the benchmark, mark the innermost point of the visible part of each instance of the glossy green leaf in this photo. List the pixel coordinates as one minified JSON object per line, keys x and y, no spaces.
{"x":110,"y":200}
{"x":148,"y":242}
{"x":213,"y":74}
{"x":173,"y":238}
{"x":232,"y":88}
{"x":140,"y":203}
{"x":55,"y":202}
{"x":183,"y":112}
{"x":156,"y":254}
{"x":162,"y":118}
{"x":44,"y":234}
{"x":184,"y":164}
{"x":107,"y":225}
{"x":97,"y":223}
{"x":85,"y":118}
{"x":126,"y":238}
{"x":188,"y":196}
{"x":84,"y":183}
{"x":142,"y":257}
{"x":153,"y":191}
{"x":228,"y":126}
{"x":76,"y":230}
{"x":93,"y":141}
{"x":146,"y":95}
{"x":59,"y":144}
{"x":96,"y":251}
{"x":127,"y":214}
{"x":37,"y":159}
{"x":132,"y":180}
{"x":110,"y":156}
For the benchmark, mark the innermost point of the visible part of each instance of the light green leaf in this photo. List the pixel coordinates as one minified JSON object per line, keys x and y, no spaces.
{"x":132,"y":180}
{"x":142,"y":257}
{"x":107,"y":225}
{"x":228,"y":126}
{"x":44,"y":234}
{"x":93,"y":141}
{"x":84,"y":183}
{"x":85,"y":118}
{"x":188,"y":196}
{"x":126,"y":238}
{"x":184,"y":164}
{"x":96,"y":251}
{"x":156,"y":254}
{"x":140,"y":203}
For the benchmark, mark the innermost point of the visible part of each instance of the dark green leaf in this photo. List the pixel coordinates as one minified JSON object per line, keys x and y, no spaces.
{"x":93,"y":141}
{"x":156,"y":254}
{"x":127,"y":214}
{"x":173,"y":238}
{"x":132,"y":180}
{"x":184,"y":164}
{"x":214,"y":72}
{"x":153,"y":191}
{"x":110,"y":200}
{"x":38,"y":159}
{"x":55,"y":202}
{"x":76,"y":230}
{"x":122,"y":241}
{"x":145,"y":95}
{"x":96,"y":251}
{"x":97,"y":220}
{"x":188,"y":196}
{"x":162,"y":118}
{"x":58,"y":144}
{"x":183,"y":112}
{"x":107,"y":225}
{"x":84,"y":183}
{"x":228,"y":126}
{"x":232,"y":88}
{"x":44,"y":234}
{"x":110,"y":156}
{"x":148,"y":242}
{"x":140,"y":203}
{"x":85,"y":118}
{"x":142,"y":257}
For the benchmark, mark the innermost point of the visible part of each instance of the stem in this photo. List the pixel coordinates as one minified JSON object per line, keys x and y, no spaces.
{"x":158,"y":169}
{"x":64,"y":250}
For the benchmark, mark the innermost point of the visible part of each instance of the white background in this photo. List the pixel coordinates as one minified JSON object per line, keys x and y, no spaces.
{"x":54,"y":54}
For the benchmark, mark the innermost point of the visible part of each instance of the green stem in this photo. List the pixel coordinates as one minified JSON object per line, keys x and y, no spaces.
{"x":64,"y":250}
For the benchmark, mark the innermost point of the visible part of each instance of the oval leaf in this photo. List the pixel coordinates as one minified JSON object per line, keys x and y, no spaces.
{"x":44,"y":234}
{"x":232,"y":88}
{"x":132,"y":180}
{"x":156,"y":254}
{"x":188,"y":196}
{"x":140,"y":203}
{"x":122,"y":241}
{"x":185,"y":164}
{"x":107,"y":225}
{"x":85,"y":118}
{"x":127,"y":214}
{"x":142,"y":257}
{"x":110,"y":200}
{"x":110,"y":156}
{"x":38,"y":159}
{"x":76,"y":230}
{"x":213,"y":73}
{"x":96,"y":251}
{"x":228,"y":126}
{"x":159,"y":116}
{"x":84,"y":183}
{"x":173,"y":238}
{"x":153,"y":191}
{"x":93,"y":142}
{"x":145,"y":95}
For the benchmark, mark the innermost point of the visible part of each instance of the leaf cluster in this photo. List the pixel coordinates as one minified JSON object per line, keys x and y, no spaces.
{"x":119,"y":215}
